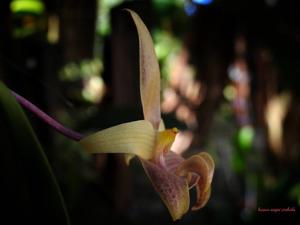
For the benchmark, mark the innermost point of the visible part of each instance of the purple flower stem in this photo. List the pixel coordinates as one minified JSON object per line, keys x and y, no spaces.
{"x":47,"y":119}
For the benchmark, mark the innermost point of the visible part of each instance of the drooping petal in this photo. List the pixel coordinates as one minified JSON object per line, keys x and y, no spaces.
{"x":136,"y":138}
{"x":172,"y":161}
{"x":202,"y":198}
{"x":172,"y":189}
{"x":203,"y":165}
{"x":149,"y":73}
{"x":210,"y":162}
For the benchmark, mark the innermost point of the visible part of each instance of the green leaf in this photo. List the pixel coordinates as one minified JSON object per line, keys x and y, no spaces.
{"x":29,"y":191}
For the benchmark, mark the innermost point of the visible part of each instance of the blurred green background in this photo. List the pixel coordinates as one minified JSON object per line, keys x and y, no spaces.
{"x":230,"y":75}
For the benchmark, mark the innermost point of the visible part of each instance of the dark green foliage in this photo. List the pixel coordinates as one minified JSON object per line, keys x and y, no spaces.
{"x":29,"y":191}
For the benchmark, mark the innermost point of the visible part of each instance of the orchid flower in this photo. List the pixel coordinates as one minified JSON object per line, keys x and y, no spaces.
{"x":170,"y":174}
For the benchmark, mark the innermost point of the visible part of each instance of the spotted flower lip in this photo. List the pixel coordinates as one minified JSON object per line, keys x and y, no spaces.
{"x":171,"y":175}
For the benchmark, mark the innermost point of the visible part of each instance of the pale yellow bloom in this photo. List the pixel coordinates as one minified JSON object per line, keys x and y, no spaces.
{"x":170,"y":174}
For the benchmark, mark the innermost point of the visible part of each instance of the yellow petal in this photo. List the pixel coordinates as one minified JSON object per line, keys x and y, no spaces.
{"x":136,"y":138}
{"x":128,"y":157}
{"x":149,"y":73}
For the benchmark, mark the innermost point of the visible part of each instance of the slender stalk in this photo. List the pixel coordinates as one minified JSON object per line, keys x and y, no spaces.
{"x":47,"y":119}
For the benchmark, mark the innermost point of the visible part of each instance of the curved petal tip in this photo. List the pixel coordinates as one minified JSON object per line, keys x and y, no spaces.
{"x":201,"y":165}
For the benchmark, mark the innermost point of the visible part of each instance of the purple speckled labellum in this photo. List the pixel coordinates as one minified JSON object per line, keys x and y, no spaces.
{"x":172,"y":189}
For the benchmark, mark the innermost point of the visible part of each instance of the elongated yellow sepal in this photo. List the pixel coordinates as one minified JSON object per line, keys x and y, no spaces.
{"x":149,"y":73}
{"x":137,"y":138}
